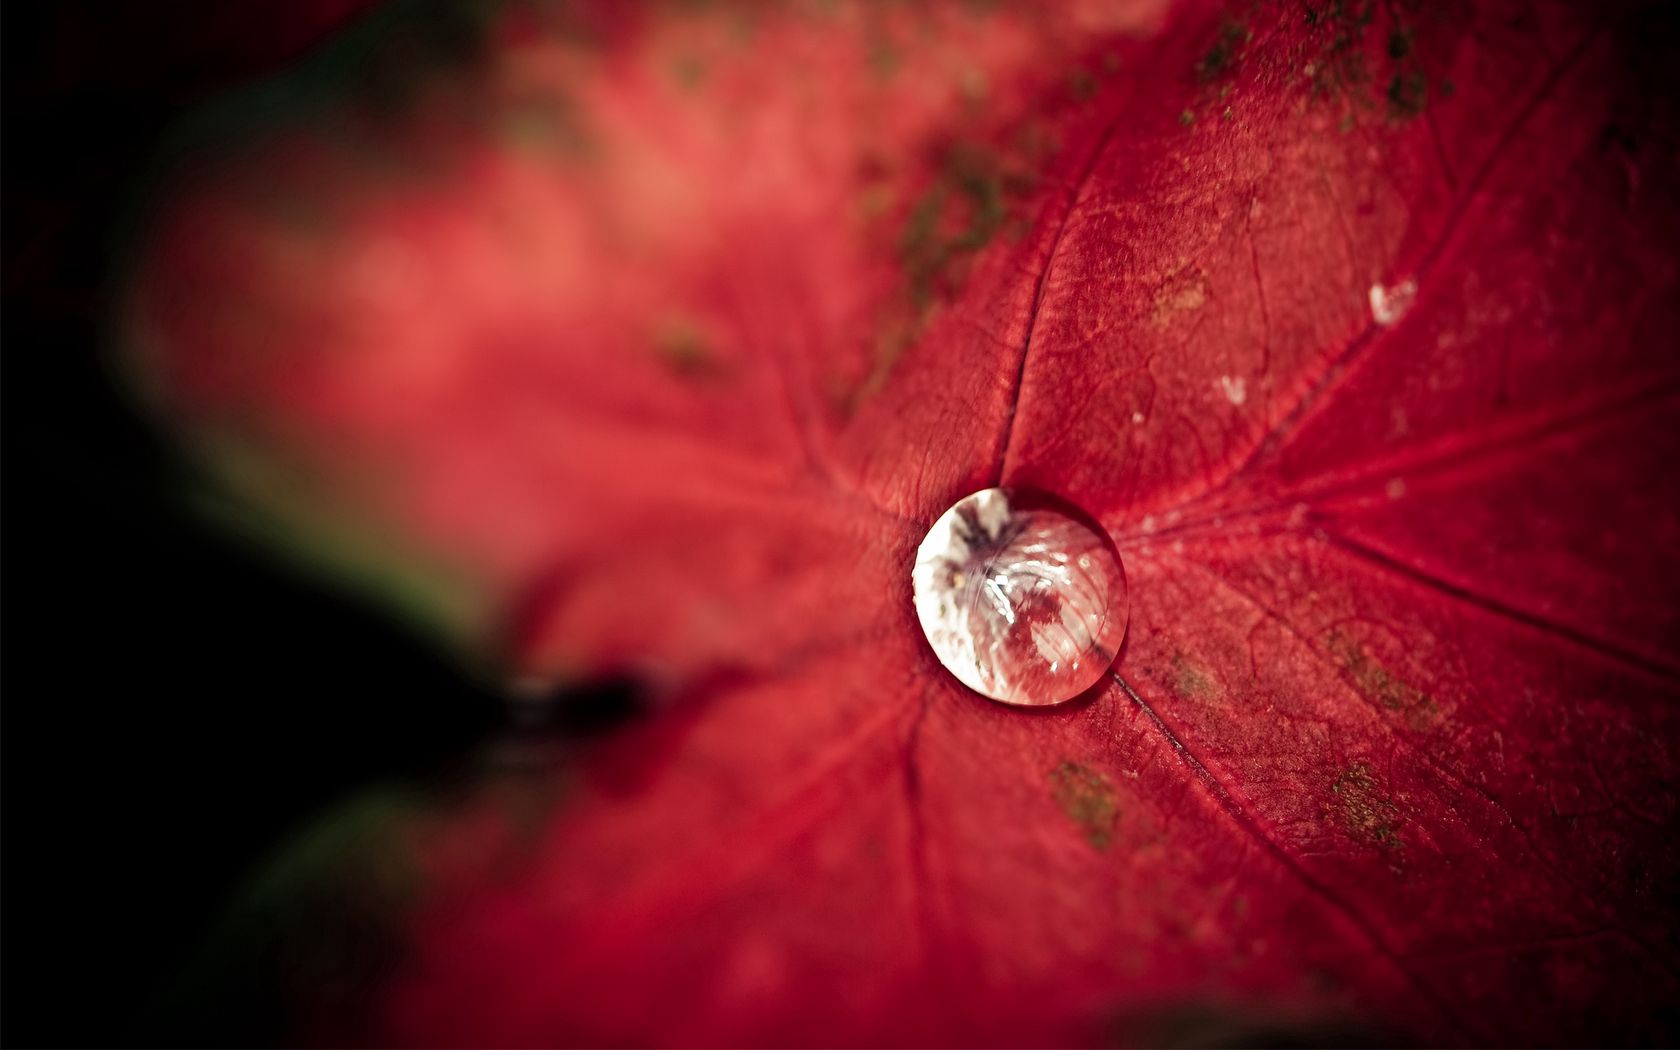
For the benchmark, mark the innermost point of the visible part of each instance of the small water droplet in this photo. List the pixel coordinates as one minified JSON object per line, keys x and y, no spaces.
{"x":1137,"y":417}
{"x":1021,"y":595}
{"x":1235,"y":387}
{"x":1390,"y":304}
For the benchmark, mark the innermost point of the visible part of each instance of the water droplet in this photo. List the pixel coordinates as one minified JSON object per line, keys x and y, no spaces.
{"x":1235,"y":387}
{"x":1390,"y":304}
{"x":1021,"y":595}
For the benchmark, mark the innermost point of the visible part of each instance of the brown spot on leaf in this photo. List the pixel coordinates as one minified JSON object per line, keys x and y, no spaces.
{"x":543,"y":123}
{"x":689,"y":71}
{"x":1188,"y":679}
{"x":1408,"y":93}
{"x":685,"y":349}
{"x":1377,"y":683}
{"x":1088,"y":798}
{"x":969,"y":203}
{"x":1349,"y":66}
{"x":1338,"y":68}
{"x":1363,"y":809}
{"x":1221,"y":56}
{"x":956,"y":217}
{"x":1399,"y":43}
{"x":1185,"y":291}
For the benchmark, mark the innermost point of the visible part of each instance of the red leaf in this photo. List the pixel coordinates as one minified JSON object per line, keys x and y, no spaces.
{"x":662,"y":339}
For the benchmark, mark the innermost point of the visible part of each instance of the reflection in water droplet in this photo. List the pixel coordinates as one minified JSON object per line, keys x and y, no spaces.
{"x":1390,"y":304}
{"x":1022,"y":596}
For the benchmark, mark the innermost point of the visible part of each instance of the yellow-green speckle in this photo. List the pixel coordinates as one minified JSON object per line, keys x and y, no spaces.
{"x":1088,"y":798}
{"x":1363,"y":809}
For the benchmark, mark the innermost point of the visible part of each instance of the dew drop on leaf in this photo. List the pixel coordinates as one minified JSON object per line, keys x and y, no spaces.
{"x":1021,"y":595}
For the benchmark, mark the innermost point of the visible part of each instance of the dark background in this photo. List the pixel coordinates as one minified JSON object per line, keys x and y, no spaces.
{"x":175,"y":705}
